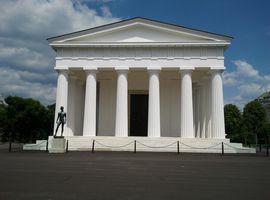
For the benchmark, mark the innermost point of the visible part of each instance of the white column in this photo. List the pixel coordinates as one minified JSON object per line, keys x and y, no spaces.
{"x":203,"y":109}
{"x":80,"y":102}
{"x":61,"y":95}
{"x":194,"y":97}
{"x":186,"y":105}
{"x":121,"y":119}
{"x":154,"y":103}
{"x":218,"y":127}
{"x":198,"y":112}
{"x":70,"y":128}
{"x":208,"y":111}
{"x":89,"y":122}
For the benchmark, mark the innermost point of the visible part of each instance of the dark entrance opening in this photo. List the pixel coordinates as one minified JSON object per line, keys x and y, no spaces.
{"x":138,"y":114}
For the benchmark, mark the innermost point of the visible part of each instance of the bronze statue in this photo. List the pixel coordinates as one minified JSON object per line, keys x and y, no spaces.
{"x":61,"y":120}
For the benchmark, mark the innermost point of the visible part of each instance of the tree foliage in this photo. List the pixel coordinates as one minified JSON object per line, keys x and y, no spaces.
{"x":249,"y":127}
{"x":25,"y":120}
{"x":254,"y":117}
{"x":233,"y":119}
{"x":264,"y":132}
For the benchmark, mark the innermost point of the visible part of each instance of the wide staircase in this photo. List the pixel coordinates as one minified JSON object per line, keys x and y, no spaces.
{"x":145,"y":144}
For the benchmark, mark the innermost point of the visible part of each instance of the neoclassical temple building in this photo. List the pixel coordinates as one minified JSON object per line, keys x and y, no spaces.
{"x":141,"y":78}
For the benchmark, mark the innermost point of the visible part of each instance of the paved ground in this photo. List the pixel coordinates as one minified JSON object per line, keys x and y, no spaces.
{"x":125,"y":175}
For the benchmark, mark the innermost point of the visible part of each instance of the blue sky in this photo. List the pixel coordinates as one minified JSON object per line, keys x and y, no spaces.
{"x":26,"y":61}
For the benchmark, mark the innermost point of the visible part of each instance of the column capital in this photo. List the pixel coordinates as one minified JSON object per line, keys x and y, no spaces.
{"x":92,"y":69}
{"x":61,"y":67}
{"x":221,"y":67}
{"x":62,"y":71}
{"x":216,"y":71}
{"x":188,"y":68}
{"x":185,"y":72}
{"x":122,"y":69}
{"x":153,"y":68}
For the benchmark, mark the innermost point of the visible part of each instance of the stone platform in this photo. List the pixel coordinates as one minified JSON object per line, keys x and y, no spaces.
{"x":147,"y":144}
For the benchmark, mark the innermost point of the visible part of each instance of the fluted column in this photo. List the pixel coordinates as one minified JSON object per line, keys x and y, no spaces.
{"x":121,"y":119}
{"x":208,"y":111}
{"x":186,"y":105}
{"x":194,"y":88}
{"x":203,"y":109}
{"x":154,"y":103}
{"x":71,"y":105}
{"x":80,"y":101}
{"x":218,"y":127}
{"x":89,"y":122}
{"x":198,"y":112}
{"x":61,"y":94}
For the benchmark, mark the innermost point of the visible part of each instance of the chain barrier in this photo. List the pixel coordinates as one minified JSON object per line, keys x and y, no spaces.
{"x":210,"y":147}
{"x":200,"y":147}
{"x":157,"y":147}
{"x":113,"y":146}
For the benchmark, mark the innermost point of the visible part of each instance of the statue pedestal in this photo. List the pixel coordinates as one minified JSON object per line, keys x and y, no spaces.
{"x":58,"y":145}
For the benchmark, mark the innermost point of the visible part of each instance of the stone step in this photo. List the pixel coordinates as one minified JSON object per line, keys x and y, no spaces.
{"x":39,"y":145}
{"x":169,"y":144}
{"x":147,"y":144}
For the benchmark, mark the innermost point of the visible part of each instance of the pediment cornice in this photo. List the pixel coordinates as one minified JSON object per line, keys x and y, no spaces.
{"x":139,"y":32}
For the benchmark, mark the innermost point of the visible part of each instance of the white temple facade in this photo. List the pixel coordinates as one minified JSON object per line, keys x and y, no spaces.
{"x":141,"y":78}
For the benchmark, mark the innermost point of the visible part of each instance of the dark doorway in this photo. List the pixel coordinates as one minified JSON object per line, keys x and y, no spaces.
{"x":138,"y":114}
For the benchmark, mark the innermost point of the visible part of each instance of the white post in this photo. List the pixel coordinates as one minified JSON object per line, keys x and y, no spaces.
{"x":89,"y":122}
{"x":218,"y":127}
{"x":154,"y":103}
{"x":61,"y":95}
{"x":121,"y":122}
{"x":186,"y":105}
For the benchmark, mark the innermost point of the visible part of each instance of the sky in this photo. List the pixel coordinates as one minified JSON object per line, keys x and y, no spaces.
{"x":27,"y":61}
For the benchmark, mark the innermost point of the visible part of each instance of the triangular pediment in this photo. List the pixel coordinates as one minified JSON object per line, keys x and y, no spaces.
{"x":139,"y":31}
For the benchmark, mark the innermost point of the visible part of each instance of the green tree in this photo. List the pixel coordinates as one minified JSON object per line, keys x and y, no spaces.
{"x":233,"y":120}
{"x":27,"y":120}
{"x":264,"y":132}
{"x":254,"y":116}
{"x":3,"y":119}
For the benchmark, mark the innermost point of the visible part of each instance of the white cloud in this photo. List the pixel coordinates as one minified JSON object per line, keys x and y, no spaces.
{"x":250,"y":89}
{"x":106,"y":11}
{"x":247,"y":81}
{"x":26,"y":60}
{"x":243,"y":71}
{"x":247,"y":70}
{"x":27,"y":84}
